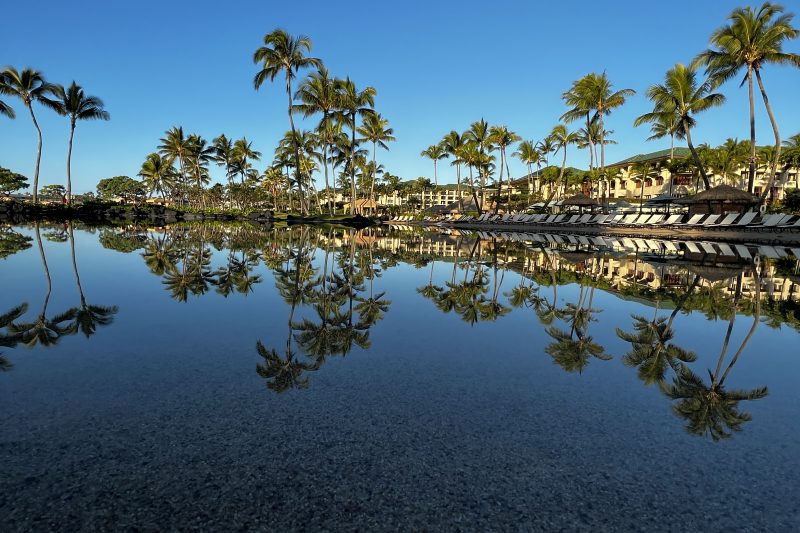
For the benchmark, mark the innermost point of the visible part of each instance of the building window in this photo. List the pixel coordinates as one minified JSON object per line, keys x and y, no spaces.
{"x":660,"y":181}
{"x":648,"y":182}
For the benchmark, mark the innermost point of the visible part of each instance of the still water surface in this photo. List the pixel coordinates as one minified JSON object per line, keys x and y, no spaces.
{"x":226,"y":376}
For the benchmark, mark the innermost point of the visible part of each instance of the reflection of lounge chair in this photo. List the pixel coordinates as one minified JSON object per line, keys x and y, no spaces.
{"x":725,"y":249}
{"x":743,"y":252}
{"x":692,"y":247}
{"x":708,"y":248}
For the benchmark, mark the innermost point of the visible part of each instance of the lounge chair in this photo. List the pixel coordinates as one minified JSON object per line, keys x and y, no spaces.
{"x":559,"y":218}
{"x":672,"y":219}
{"x":746,"y":219}
{"x":694,"y":220}
{"x":710,"y":220}
{"x":655,"y":219}
{"x":768,"y":221}
{"x":728,"y":220}
{"x":583,"y":220}
{"x":572,"y":219}
{"x":613,"y":219}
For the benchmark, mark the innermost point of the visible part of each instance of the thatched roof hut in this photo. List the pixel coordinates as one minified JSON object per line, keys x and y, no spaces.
{"x":581,"y":200}
{"x":720,"y":200}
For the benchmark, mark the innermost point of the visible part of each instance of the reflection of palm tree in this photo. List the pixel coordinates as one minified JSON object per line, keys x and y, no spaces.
{"x":651,"y":352}
{"x":712,"y":409}
{"x":6,"y":340}
{"x":570,"y":353}
{"x":86,"y":317}
{"x":281,"y":374}
{"x":43,"y":331}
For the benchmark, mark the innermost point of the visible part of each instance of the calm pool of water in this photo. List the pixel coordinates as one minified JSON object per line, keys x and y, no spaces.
{"x":229,"y":376}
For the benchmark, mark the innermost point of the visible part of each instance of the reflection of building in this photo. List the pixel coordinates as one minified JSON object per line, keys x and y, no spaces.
{"x":619,"y":271}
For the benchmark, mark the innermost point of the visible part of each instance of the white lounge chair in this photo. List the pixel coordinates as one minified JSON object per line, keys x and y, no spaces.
{"x":746,"y":219}
{"x":728,"y":220}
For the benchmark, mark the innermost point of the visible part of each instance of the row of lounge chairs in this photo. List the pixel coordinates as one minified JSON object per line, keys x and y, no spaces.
{"x":640,"y":245}
{"x":745,"y":221}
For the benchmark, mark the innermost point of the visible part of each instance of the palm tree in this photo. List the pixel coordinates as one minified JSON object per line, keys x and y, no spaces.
{"x":242,"y":152}
{"x":501,"y":137}
{"x":561,"y":138}
{"x":319,"y":94}
{"x":283,"y":53}
{"x":5,"y":109}
{"x":791,"y":157}
{"x":353,"y":104}
{"x":681,"y":95}
{"x":478,"y":133}
{"x":174,"y":145}
{"x":158,"y":174}
{"x":29,"y":86}
{"x":749,"y":41}
{"x":453,"y":143}
{"x":661,"y":125}
{"x":434,"y":152}
{"x":604,"y":100}
{"x":375,"y":129}
{"x":643,"y":170}
{"x":75,"y":104}
{"x":528,"y":154}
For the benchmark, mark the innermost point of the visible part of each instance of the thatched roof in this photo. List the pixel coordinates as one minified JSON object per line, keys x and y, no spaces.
{"x":662,"y":199}
{"x":715,"y":273}
{"x":580,"y":199}
{"x":721,"y":193}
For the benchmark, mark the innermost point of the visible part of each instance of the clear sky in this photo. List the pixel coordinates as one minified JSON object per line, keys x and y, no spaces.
{"x":437,"y":66}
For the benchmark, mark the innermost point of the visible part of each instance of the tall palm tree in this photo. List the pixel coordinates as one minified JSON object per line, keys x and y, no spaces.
{"x":375,"y":129}
{"x":353,"y":104}
{"x":319,"y":94}
{"x":175,"y":146}
{"x":158,"y":174}
{"x":452,"y":144}
{"x":501,"y":137}
{"x":682,"y":95}
{"x":30,"y":86}
{"x":750,"y":40}
{"x":562,"y":138}
{"x":604,"y":100}
{"x":75,"y":104}
{"x":434,"y":152}
{"x":791,"y":157}
{"x":283,"y":53}
{"x":661,"y":125}
{"x":243,"y":153}
{"x":527,"y":153}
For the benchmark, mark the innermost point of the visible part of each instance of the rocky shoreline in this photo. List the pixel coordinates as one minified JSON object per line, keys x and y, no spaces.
{"x":16,"y":212}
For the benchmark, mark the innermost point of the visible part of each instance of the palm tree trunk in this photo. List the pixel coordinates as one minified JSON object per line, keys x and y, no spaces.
{"x":499,"y":185}
{"x":352,"y":165}
{"x":69,"y":163}
{"x":75,"y":264}
{"x":435,"y":176}
{"x":751,"y":176}
{"x":756,"y":320}
{"x":296,"y":146}
{"x":327,"y":184}
{"x":696,"y":158}
{"x":776,"y":157}
{"x":561,"y":177}
{"x":38,"y":156}
{"x":374,"y":177}
{"x":602,"y":143}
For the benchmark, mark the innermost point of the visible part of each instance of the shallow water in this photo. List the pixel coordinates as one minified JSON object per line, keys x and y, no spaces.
{"x":230,"y":376}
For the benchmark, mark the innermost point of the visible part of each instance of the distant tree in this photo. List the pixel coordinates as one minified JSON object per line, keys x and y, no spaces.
{"x":792,"y":200}
{"x":53,"y":191}
{"x":119,"y":186}
{"x":11,"y":181}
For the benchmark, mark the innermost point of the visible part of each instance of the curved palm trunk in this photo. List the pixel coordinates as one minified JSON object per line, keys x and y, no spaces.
{"x":561,"y":177}
{"x":756,"y":321}
{"x":46,"y":272}
{"x":69,"y":163}
{"x":696,"y":158}
{"x":75,"y":265}
{"x":38,"y":155}
{"x":296,"y":146}
{"x":353,"y":209}
{"x":751,"y":175}
{"x":776,"y":157}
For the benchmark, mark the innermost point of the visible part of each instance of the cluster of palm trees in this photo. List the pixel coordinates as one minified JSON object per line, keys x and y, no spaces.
{"x":750,"y":40}
{"x":348,"y":129}
{"x":341,"y":106}
{"x":30,"y":86}
{"x":590,"y":98}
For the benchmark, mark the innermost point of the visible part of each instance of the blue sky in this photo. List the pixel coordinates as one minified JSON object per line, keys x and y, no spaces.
{"x":437,"y":66}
